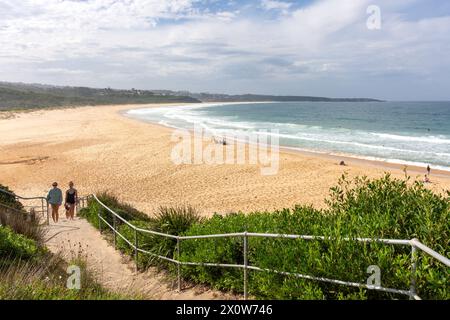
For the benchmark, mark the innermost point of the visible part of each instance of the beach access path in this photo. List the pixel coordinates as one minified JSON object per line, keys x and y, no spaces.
{"x":116,"y":272}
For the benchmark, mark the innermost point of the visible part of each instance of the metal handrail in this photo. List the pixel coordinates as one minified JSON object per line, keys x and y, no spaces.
{"x":413,"y":243}
{"x":42,"y":199}
{"x":416,"y":243}
{"x":10,"y":208}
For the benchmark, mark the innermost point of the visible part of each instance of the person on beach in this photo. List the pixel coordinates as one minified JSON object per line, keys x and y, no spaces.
{"x":55,"y":199}
{"x":71,"y":201}
{"x":426,"y":179}
{"x":428,"y":169}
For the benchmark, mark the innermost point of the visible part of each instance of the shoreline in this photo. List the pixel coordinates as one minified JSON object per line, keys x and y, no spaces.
{"x":347,"y":158}
{"x":102,"y":150}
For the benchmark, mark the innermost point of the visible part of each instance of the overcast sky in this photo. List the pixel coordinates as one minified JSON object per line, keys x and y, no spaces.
{"x":302,"y":47}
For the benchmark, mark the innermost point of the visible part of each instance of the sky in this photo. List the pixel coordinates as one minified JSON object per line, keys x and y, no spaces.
{"x":386,"y":49}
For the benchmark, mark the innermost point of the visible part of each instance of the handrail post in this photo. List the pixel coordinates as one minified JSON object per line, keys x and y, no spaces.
{"x":115,"y":231}
{"x":42,"y":206}
{"x":178,"y":264}
{"x":136,"y":249}
{"x":245,"y":266}
{"x":48,"y":213}
{"x":412,"y":288}
{"x":99,"y":220}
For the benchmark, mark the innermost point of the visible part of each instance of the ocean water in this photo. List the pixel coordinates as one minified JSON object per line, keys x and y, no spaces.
{"x":413,"y":133}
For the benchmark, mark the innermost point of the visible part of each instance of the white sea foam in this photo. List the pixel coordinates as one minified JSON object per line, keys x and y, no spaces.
{"x":427,"y":139}
{"x":407,"y":149}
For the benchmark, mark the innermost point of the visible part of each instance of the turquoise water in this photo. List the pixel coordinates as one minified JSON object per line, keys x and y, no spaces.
{"x":416,"y":133}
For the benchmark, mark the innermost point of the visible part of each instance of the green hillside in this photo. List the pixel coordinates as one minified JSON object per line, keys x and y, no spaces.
{"x":30,"y":96}
{"x":22,"y":96}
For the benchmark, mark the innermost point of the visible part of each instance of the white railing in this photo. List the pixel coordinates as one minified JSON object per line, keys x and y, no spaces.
{"x":414,"y":244}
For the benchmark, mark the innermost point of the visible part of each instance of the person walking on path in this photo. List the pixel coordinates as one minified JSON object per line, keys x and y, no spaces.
{"x":55,"y":199}
{"x":71,"y":201}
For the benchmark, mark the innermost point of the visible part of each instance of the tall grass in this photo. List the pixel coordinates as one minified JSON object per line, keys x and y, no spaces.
{"x":174,"y":221}
{"x":21,"y":224}
{"x":45,"y":279}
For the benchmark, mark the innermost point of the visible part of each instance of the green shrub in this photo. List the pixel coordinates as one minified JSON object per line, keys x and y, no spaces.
{"x":383,"y":208}
{"x":215,"y":250}
{"x":390,"y":208}
{"x":8,"y":199}
{"x":14,"y":245}
{"x":124,"y":210}
{"x":145,"y":241}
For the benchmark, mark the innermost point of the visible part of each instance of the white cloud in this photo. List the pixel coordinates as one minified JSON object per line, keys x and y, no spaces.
{"x":157,"y":43}
{"x":275,"y":5}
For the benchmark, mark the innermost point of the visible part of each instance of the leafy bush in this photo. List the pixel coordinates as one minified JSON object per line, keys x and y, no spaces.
{"x":8,"y":199}
{"x":15,"y":245}
{"x":124,"y":210}
{"x":383,"y":208}
{"x":392,"y":208}
{"x":145,"y":241}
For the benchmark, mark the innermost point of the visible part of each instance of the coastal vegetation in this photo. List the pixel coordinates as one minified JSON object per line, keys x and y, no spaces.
{"x":29,"y":271}
{"x":360,"y":208}
{"x":24,"y":96}
{"x":20,"y":96}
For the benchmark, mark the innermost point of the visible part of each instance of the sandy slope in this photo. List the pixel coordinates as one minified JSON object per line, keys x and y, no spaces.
{"x":99,"y":149}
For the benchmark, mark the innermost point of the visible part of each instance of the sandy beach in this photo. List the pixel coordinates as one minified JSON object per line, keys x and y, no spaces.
{"x":100,"y":149}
